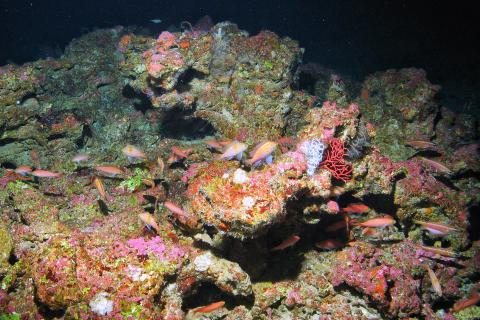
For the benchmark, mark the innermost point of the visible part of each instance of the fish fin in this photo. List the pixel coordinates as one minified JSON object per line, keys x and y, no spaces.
{"x":269,"y":159}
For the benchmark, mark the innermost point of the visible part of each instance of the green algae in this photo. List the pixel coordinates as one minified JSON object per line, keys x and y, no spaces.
{"x":10,"y":316}
{"x":470,"y":313}
{"x":136,"y":180}
{"x":132,"y":311}
{"x":6,"y":246}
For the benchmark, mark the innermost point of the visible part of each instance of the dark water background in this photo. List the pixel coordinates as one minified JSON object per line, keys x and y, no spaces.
{"x":351,"y":36}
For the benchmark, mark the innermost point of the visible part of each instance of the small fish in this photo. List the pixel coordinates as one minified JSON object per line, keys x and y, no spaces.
{"x":183,"y":153}
{"x":23,"y":170}
{"x":440,"y":251}
{"x":286,"y":243}
{"x":435,"y":228}
{"x":149,"y":221}
{"x":420,"y":144}
{"x":213,"y":144}
{"x":149,"y":183}
{"x":463,"y":304}
{"x":45,"y":174}
{"x":161,"y":165}
{"x":156,"y":21}
{"x":133,"y":152}
{"x":97,"y":182}
{"x":336,"y":226}
{"x":80,"y":157}
{"x":175,"y":209}
{"x":436,"y":166}
{"x":263,"y":151}
{"x":329,"y":244}
{"x":110,"y":171}
{"x":224,"y":143}
{"x":211,"y":307}
{"x":377,"y":222}
{"x":178,"y":154}
{"x":356,"y":208}
{"x":370,"y":232}
{"x":434,"y":280}
{"x":233,"y":149}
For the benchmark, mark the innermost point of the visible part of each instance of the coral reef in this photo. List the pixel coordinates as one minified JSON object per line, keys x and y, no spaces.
{"x":368,"y":210}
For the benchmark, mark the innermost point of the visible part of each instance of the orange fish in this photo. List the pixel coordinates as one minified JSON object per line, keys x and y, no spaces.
{"x":463,"y":304}
{"x":133,"y":152}
{"x":23,"y":170}
{"x":262,"y":152}
{"x":435,"y":228}
{"x":97,"y":182}
{"x":356,"y":208}
{"x":211,"y":307}
{"x":233,"y":149}
{"x":110,"y":171}
{"x":286,"y":243}
{"x":436,"y":166}
{"x":183,"y":153}
{"x":149,"y":221}
{"x":370,"y":232}
{"x":329,"y":244}
{"x":434,"y":280}
{"x":420,"y":144}
{"x":178,"y":154}
{"x":45,"y":174}
{"x":377,"y":222}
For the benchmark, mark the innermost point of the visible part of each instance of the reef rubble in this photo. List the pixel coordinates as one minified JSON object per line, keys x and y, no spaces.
{"x":365,"y":207}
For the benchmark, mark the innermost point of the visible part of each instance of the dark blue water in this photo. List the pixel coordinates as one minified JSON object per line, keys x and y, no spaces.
{"x":354,"y":37}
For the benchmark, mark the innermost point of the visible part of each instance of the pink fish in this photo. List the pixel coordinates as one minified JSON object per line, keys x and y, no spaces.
{"x":234,"y":149}
{"x":133,"y":152}
{"x":178,"y":154}
{"x":263,"y":151}
{"x":435,"y":228}
{"x":336,"y":226}
{"x":329,"y":244}
{"x":286,"y":243}
{"x":80,"y":157}
{"x":175,"y":209}
{"x":181,"y":215}
{"x":23,"y":170}
{"x":377,"y":222}
{"x":213,"y":144}
{"x":356,"y":208}
{"x":45,"y":174}
{"x":436,"y":166}
{"x":110,"y":171}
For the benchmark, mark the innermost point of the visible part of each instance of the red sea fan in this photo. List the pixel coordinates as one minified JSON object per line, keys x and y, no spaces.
{"x":335,"y":162}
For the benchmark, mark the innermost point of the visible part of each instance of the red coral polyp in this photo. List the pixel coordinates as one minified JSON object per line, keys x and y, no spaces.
{"x":335,"y":161}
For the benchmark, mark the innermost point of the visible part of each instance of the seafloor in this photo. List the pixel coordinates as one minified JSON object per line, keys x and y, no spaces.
{"x":123,"y":197}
